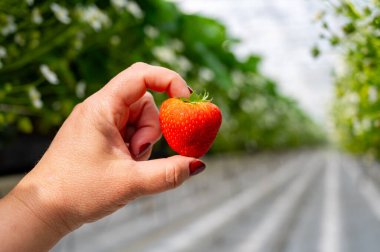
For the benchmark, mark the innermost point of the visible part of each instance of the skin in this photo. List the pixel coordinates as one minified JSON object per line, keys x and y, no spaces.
{"x":96,"y":163}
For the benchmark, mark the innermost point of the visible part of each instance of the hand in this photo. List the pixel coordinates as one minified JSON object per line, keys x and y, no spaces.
{"x":97,"y":161}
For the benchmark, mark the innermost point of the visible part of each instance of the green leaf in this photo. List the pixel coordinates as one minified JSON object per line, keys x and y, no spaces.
{"x":334,"y":40}
{"x":315,"y":52}
{"x":25,"y":125}
{"x":349,"y":28}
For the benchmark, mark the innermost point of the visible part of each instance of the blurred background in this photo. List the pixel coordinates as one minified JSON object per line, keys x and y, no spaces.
{"x":295,"y":164}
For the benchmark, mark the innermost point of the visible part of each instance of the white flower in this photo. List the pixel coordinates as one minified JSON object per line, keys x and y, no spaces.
{"x":184,"y":64}
{"x":206,"y":74}
{"x":260,"y":103}
{"x":233,"y":93}
{"x":269,"y":119}
{"x":119,"y":3}
{"x":372,"y":94}
{"x":29,"y":2}
{"x":353,"y":98}
{"x":165,"y":54}
{"x":35,"y":97}
{"x":10,"y":27}
{"x":151,"y":32}
{"x":247,"y":105}
{"x":360,"y":127}
{"x":319,"y":15}
{"x":341,"y":68}
{"x":49,"y":75}
{"x":238,"y":78}
{"x":61,"y":13}
{"x":177,"y":45}
{"x":78,"y":42}
{"x":20,"y":39}
{"x":356,"y":127}
{"x":115,"y":40}
{"x":36,"y":16}
{"x":366,"y":124}
{"x":3,"y":52}
{"x":94,"y":17}
{"x":80,"y":89}
{"x":349,"y":111}
{"x":135,"y":10}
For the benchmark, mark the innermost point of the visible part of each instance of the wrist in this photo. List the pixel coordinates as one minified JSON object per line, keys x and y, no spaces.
{"x":41,"y":209}
{"x":32,"y":218}
{"x":24,"y":230}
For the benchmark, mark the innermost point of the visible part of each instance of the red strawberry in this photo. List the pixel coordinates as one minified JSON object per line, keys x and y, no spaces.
{"x":190,"y":125}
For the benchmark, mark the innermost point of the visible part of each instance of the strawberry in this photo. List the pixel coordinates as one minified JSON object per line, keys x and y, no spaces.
{"x":190,"y":125}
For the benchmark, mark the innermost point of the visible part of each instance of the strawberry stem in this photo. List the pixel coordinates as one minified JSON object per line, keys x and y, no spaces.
{"x":195,"y":97}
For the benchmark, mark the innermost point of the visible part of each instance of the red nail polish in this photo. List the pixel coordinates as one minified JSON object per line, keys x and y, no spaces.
{"x":143,"y":149}
{"x":190,"y":89}
{"x":196,"y":167}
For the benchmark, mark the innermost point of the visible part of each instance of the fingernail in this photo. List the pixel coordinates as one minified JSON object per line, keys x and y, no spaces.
{"x":190,"y":89}
{"x":196,"y":167}
{"x":143,"y":149}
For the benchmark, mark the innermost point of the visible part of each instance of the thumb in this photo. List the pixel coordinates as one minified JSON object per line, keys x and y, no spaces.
{"x":159,"y":175}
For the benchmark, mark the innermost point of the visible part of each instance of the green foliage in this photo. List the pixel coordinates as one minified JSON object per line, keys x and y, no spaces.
{"x":53,"y":55}
{"x":356,"y":110}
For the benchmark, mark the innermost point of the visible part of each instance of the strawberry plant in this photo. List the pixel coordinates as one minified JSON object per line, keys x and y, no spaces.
{"x":53,"y":54}
{"x":356,"y":110}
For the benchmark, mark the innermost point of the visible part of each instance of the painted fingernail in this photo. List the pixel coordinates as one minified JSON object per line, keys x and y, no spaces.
{"x":196,"y":167}
{"x":190,"y":89}
{"x":143,"y":149}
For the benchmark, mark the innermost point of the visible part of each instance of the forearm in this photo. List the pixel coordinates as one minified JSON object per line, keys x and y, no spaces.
{"x":21,"y":229}
{"x":96,"y":163}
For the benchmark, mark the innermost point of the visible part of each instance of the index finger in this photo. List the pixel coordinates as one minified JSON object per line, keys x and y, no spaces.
{"x":131,"y":84}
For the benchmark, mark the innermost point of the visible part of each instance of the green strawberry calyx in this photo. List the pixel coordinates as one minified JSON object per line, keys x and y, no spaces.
{"x":196,"y":98}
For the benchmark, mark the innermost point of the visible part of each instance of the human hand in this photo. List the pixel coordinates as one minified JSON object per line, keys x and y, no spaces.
{"x":97,"y":161}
